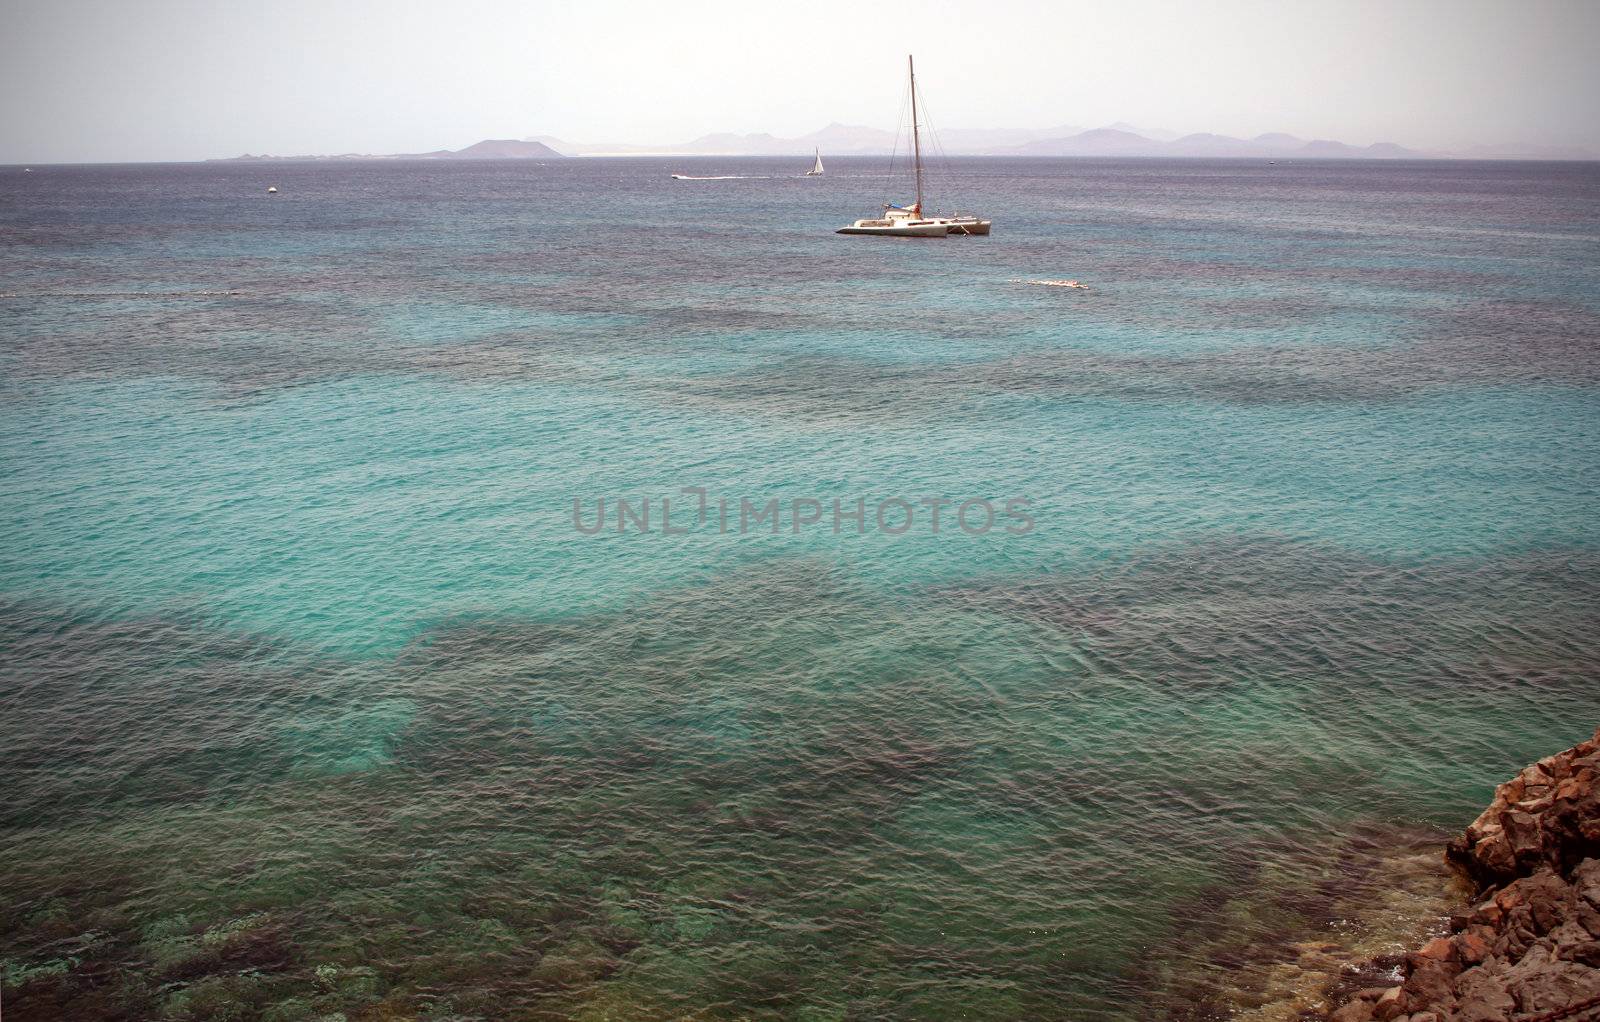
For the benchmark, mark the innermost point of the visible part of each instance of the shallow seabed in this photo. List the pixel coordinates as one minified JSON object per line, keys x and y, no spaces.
{"x":315,"y":702}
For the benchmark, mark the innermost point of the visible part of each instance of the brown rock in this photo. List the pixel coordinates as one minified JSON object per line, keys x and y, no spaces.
{"x":1532,"y":942}
{"x":1585,"y":953}
{"x":1475,"y":945}
{"x":1547,"y":897}
{"x":1391,"y":1005}
{"x":1526,"y":835}
{"x":1541,"y":984}
{"x":1586,"y":881}
{"x":1356,"y":1011}
{"x":1439,"y":949}
{"x":1493,"y":858}
{"x":1513,"y":943}
{"x":1431,"y":984}
{"x":1570,"y":932}
{"x":1488,"y":913}
{"x":1559,"y":766}
{"x":1588,"y":917}
{"x":1509,"y":898}
{"x":1482,"y":998}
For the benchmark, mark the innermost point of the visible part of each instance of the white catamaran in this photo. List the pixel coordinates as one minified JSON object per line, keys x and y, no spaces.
{"x":816,"y":171}
{"x":909,"y":221}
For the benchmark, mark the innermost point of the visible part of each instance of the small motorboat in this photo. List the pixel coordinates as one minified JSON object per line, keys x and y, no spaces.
{"x":272,"y":189}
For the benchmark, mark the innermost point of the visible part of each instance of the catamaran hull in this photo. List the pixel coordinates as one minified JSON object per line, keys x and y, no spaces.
{"x":898,"y":231}
{"x":970,"y":226}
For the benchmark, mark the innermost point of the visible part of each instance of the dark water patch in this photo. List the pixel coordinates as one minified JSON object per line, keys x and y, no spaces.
{"x":1545,"y":348}
{"x":1301,"y":924}
{"x":1232,"y":611}
{"x":1257,"y":376}
{"x":254,"y":349}
{"x":1315,"y":284}
{"x":1483,"y":344}
{"x":103,"y":715}
{"x":253,"y":338}
{"x":1515,"y":340}
{"x":770,"y":792}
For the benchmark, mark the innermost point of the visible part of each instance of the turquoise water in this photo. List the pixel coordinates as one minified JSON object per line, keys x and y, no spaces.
{"x":315,"y":701}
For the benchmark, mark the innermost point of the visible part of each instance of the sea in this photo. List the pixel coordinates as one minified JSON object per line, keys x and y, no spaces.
{"x":523,"y":590}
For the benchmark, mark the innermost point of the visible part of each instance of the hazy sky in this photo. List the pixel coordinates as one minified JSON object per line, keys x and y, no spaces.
{"x":86,"y":80}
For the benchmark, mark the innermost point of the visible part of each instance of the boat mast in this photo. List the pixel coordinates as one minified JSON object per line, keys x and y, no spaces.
{"x":916,"y":138}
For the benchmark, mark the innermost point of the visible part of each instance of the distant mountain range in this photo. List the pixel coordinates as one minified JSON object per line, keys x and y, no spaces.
{"x":488,"y":149}
{"x":1120,"y":139}
{"x":853,"y":140}
{"x":1114,"y":142}
{"x":838,"y":139}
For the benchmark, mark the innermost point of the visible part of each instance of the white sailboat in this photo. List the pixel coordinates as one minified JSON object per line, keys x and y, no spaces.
{"x":909,"y":221}
{"x":816,"y":170}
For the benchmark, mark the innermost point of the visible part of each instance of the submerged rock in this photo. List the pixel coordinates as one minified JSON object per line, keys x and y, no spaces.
{"x":1530,"y":946}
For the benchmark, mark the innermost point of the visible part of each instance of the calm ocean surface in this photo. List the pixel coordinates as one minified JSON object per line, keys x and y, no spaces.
{"x":315,"y":704}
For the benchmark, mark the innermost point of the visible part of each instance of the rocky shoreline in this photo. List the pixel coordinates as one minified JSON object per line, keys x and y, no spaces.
{"x":1528,"y":950}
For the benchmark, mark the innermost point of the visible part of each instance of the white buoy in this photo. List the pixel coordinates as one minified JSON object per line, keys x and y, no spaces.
{"x":272,"y":189}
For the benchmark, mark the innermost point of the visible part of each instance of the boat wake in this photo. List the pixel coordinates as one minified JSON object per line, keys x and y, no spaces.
{"x":1052,"y":283}
{"x":121,"y":294}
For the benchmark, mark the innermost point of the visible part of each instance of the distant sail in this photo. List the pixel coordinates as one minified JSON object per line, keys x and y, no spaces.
{"x":816,"y":171}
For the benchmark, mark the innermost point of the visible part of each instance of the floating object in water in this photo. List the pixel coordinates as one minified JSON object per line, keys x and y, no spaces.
{"x":816,"y":169}
{"x":1055,"y":283}
{"x":272,"y":189}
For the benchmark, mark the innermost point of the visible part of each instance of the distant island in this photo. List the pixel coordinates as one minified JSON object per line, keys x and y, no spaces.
{"x":488,"y":149}
{"x":1117,"y":140}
